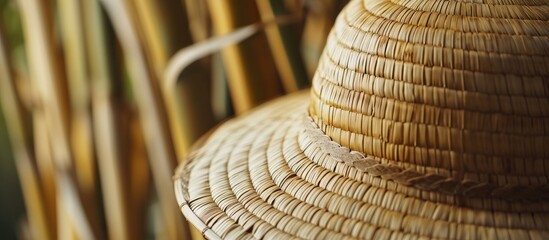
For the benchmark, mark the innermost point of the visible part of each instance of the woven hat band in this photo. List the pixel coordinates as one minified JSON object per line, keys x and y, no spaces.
{"x":440,"y":87}
{"x":434,"y":182}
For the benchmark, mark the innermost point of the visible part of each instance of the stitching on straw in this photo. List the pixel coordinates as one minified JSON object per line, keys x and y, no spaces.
{"x":423,"y":181}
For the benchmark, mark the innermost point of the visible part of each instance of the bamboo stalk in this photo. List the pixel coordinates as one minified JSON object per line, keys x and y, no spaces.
{"x":251,"y":72}
{"x":161,"y":39}
{"x":17,"y":121}
{"x":45,"y":167}
{"x":284,"y":46}
{"x":30,"y":185}
{"x":139,"y":175}
{"x":66,"y":228}
{"x":122,"y":208}
{"x":81,"y":138}
{"x":154,"y":36}
{"x":111,"y":172}
{"x":163,"y":28}
{"x":221,"y":99}
{"x":77,"y":75}
{"x":11,"y":104}
{"x":154,"y":124}
{"x":72,"y":211}
{"x":45,"y":73}
{"x":197,"y":13}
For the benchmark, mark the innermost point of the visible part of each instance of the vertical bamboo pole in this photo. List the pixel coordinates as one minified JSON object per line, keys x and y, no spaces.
{"x":46,"y":75}
{"x":161,"y":38}
{"x":159,"y":145}
{"x":78,"y":82}
{"x":250,"y":68}
{"x":197,"y":13}
{"x":109,"y":151}
{"x":81,"y":132}
{"x":37,"y":208}
{"x":284,"y":45}
{"x":40,"y":229}
{"x":45,"y":166}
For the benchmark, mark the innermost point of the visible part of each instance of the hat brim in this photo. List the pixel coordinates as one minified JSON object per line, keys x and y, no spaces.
{"x":257,"y":177}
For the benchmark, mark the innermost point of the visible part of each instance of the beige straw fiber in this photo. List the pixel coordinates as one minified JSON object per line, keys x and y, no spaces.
{"x":426,"y":119}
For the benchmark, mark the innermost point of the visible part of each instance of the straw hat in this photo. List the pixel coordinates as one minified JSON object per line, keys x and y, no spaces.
{"x":426,"y":119}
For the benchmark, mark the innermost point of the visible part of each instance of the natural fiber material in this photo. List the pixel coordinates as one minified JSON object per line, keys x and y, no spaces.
{"x":261,"y":175}
{"x":425,"y":119}
{"x":431,"y":95}
{"x":425,"y":181}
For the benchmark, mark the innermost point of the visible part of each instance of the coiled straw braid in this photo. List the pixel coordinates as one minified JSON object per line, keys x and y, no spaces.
{"x":409,"y":177}
{"x":455,"y":87}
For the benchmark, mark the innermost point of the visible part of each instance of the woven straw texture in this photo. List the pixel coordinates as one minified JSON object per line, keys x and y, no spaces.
{"x":426,"y":119}
{"x":436,"y":91}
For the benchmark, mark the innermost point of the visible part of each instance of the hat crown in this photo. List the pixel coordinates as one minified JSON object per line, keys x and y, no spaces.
{"x":453,"y":87}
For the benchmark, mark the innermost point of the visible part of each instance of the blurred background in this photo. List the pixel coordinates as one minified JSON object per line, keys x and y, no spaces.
{"x":101,"y":99}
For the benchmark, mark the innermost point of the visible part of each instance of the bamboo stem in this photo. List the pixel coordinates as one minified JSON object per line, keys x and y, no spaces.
{"x":82,"y":139}
{"x":40,"y":229}
{"x":158,"y":142}
{"x":197,"y":12}
{"x":37,"y":205}
{"x":45,"y":73}
{"x":284,"y":46}
{"x":78,"y":82}
{"x":72,"y":210}
{"x":251,"y":72}
{"x":116,"y":158}
{"x":45,"y":167}
{"x":161,"y":38}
